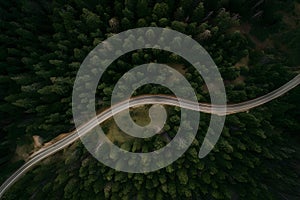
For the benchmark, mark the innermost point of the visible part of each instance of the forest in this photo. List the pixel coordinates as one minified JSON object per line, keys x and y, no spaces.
{"x":254,"y":43}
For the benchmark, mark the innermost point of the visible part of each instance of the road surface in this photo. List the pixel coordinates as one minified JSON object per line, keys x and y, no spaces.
{"x":141,"y":100}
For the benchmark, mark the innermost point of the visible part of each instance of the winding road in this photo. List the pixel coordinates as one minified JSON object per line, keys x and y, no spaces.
{"x":141,"y":100}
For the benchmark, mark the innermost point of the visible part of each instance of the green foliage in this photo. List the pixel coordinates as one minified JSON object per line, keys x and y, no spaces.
{"x":198,"y":13}
{"x":42,"y":47}
{"x":161,"y":10}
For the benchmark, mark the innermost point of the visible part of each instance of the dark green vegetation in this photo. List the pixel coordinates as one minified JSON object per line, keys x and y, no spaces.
{"x":43,"y":44}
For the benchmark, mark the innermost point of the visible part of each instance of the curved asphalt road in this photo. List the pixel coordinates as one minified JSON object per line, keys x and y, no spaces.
{"x":141,"y":100}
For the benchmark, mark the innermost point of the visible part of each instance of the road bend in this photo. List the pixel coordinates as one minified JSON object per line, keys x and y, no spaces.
{"x":142,"y":100}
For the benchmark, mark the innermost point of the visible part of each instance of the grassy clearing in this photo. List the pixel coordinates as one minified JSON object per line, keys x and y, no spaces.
{"x":139,"y":116}
{"x":179,"y":67}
